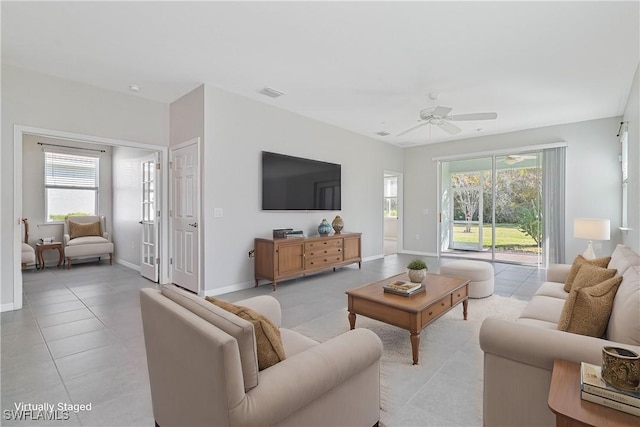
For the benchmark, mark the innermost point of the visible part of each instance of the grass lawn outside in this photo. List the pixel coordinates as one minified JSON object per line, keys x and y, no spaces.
{"x":508,"y":237}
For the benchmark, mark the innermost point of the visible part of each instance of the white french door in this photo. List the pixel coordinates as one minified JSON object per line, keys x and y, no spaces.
{"x":149,"y":244}
{"x":184,"y":215}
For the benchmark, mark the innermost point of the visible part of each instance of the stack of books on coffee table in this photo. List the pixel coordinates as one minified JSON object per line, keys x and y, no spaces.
{"x":403,"y":288}
{"x":594,"y":389}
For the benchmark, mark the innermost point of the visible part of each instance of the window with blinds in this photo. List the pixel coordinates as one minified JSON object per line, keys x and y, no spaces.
{"x":71,"y":185}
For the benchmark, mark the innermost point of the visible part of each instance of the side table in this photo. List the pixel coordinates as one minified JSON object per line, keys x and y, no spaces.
{"x":571,"y":410}
{"x":41,"y":247}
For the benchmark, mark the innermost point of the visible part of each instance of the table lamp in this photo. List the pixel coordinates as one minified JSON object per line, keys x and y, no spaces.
{"x":591,"y":229}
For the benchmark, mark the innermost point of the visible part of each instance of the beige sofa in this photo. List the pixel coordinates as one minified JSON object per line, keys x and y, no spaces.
{"x":203,"y":368}
{"x":519,"y":356}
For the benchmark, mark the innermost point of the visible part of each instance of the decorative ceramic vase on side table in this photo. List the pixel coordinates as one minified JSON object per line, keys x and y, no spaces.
{"x":324,"y":228}
{"x":337,"y":224}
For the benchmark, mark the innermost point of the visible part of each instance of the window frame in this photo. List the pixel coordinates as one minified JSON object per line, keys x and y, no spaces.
{"x":47,"y":187}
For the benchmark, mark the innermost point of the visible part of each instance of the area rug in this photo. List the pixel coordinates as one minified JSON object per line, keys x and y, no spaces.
{"x":445,"y":388}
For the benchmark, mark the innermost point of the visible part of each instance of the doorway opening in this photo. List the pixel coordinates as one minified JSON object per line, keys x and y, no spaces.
{"x":392,"y":204}
{"x":22,"y":201}
{"x":492,"y":208}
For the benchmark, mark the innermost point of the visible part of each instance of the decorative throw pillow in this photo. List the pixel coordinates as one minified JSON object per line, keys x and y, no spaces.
{"x":587,"y":310}
{"x":81,"y":229}
{"x":268,"y":339}
{"x":590,"y":275}
{"x":577,"y":263}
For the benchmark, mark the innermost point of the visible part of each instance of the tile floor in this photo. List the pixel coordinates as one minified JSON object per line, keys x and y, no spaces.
{"x":78,"y":339}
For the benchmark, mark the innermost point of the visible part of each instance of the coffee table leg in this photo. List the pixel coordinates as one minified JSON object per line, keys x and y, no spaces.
{"x":465,"y":303}
{"x":415,"y":346}
{"x":352,"y":320}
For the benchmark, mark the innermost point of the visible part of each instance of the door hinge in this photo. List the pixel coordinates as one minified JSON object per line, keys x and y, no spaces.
{"x":157,"y":261}
{"x":170,"y":165}
{"x":171,"y":261}
{"x":158,"y":214}
{"x":158,"y":166}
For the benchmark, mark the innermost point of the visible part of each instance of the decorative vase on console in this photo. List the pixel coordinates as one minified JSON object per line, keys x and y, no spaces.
{"x":324,"y":228}
{"x":337,"y":224}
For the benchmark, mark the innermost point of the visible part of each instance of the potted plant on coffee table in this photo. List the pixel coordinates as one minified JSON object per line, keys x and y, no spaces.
{"x":417,"y":270}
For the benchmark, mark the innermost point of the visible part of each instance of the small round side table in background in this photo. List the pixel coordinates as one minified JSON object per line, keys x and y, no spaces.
{"x":41,"y":247}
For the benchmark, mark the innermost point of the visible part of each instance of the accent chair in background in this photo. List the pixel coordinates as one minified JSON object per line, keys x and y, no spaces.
{"x":86,"y":237}
{"x":28,"y":253}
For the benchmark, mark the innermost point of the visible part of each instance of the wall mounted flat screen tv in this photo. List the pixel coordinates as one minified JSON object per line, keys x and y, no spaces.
{"x":294,"y":183}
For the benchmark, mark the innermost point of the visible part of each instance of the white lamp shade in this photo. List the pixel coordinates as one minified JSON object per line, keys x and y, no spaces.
{"x":592,"y":229}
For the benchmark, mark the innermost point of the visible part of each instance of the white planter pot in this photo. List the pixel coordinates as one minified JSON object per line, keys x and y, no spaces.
{"x":417,"y":276}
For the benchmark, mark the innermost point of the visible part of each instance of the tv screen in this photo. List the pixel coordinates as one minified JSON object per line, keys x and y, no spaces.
{"x":294,"y":183}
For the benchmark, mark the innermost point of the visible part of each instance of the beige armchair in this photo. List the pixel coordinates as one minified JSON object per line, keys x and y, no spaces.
{"x":28,"y":253}
{"x":203,"y":368}
{"x":86,"y":237}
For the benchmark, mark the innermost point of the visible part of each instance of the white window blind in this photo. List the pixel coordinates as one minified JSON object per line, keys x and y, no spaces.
{"x":71,"y":182}
{"x":64,"y":170}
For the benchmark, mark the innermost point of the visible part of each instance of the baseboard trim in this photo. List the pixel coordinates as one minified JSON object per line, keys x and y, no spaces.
{"x":127,"y":264}
{"x":227,"y":289}
{"x":372,"y":258}
{"x":6,"y":307}
{"x":419,"y":253}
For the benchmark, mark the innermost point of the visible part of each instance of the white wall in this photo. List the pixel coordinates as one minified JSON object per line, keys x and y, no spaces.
{"x":33,"y":196}
{"x":593,"y":182}
{"x":237,"y":131}
{"x":632,"y":115}
{"x":36,"y":100}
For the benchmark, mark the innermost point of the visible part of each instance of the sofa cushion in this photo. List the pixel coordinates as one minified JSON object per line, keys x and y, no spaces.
{"x":543,"y":308}
{"x":577,"y":263}
{"x":622,"y":258}
{"x":87,"y":240}
{"x":552,"y":289}
{"x":587,"y":309}
{"x":77,"y":229}
{"x":624,"y":324}
{"x":268,"y":340}
{"x":240,"y":329}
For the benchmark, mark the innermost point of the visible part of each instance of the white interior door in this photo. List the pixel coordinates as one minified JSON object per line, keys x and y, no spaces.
{"x":184,"y":212}
{"x":149,"y":245}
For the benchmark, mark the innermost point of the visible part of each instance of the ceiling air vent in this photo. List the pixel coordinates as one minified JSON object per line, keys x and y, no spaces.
{"x":383,"y":133}
{"x":271,"y":92}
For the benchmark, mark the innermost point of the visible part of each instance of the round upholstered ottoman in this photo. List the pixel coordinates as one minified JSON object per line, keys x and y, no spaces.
{"x":479,"y":273}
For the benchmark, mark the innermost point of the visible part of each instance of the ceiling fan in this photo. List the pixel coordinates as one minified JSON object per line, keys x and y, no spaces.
{"x":439,"y":116}
{"x":512,"y":159}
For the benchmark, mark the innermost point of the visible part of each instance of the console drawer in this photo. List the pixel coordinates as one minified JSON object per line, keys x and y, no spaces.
{"x":321,"y":261}
{"x":323,"y":252}
{"x":322,"y":244}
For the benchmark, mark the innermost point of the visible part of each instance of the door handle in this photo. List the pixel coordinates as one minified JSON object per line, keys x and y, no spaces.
{"x":194,"y":225}
{"x":139,"y":222}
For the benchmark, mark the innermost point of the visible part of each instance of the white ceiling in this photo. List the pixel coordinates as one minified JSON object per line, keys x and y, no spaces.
{"x":362,"y":66}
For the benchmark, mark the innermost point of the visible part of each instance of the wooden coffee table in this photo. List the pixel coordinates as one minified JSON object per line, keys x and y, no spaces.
{"x":412,"y":313}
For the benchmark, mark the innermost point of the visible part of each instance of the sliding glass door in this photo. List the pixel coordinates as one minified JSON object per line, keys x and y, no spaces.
{"x":491,"y":208}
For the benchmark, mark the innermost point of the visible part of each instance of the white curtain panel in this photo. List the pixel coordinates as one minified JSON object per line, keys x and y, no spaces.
{"x":553,"y":188}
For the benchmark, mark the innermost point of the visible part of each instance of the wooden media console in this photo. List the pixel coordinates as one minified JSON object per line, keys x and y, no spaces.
{"x":277,"y":259}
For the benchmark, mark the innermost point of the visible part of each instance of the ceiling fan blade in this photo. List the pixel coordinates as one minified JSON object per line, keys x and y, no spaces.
{"x":412,"y":128}
{"x":441,"y":111}
{"x":449,"y":128}
{"x":473,"y":116}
